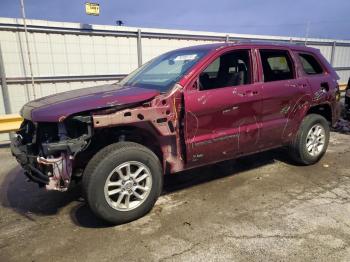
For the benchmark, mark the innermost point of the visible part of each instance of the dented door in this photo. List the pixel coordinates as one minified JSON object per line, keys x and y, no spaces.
{"x":283,"y":96}
{"x":221,"y":123}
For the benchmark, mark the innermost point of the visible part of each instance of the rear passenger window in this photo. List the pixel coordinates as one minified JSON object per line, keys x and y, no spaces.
{"x":277,"y":65}
{"x":310,"y":64}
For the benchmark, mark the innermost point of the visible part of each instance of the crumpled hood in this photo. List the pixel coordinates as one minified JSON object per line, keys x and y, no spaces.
{"x":58,"y":106}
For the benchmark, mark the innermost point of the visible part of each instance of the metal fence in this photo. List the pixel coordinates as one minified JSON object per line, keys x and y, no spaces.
{"x":68,"y":56}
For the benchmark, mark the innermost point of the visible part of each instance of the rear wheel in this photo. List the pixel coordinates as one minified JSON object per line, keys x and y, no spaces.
{"x":122,"y":182}
{"x":311,"y":141}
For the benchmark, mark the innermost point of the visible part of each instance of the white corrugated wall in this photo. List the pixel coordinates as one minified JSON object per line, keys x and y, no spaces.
{"x":71,"y":49}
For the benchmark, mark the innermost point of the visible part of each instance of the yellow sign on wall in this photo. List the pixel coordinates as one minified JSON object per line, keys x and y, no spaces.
{"x":92,"y":8}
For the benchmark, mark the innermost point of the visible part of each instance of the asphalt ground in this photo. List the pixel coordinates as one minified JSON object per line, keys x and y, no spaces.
{"x":257,"y":208}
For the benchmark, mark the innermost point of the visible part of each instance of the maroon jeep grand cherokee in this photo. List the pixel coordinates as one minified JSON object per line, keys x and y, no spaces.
{"x":186,"y":108}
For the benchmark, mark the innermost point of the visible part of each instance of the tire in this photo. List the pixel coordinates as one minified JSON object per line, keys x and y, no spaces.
{"x":110,"y":165}
{"x":299,"y":147}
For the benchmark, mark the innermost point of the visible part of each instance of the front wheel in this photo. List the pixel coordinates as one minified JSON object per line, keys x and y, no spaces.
{"x":311,"y":141}
{"x":122,"y":182}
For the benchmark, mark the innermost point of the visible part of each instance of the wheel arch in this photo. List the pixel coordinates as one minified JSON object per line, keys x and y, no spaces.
{"x":324,"y":110}
{"x":137,"y":134}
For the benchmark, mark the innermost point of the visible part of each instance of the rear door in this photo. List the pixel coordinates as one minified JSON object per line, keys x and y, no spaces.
{"x":222,"y":109}
{"x":282,"y":93}
{"x":317,"y":76}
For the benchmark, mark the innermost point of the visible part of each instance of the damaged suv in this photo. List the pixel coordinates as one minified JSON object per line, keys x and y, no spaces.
{"x":187,"y":108}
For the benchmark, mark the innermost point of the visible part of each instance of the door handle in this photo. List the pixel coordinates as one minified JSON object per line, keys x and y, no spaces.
{"x":251,"y":92}
{"x":228,"y":110}
{"x":297,"y":85}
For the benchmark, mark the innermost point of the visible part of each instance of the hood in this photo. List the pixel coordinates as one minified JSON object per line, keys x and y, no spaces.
{"x":58,"y":106}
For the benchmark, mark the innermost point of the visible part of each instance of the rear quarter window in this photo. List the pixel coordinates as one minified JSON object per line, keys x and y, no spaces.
{"x":310,"y":64}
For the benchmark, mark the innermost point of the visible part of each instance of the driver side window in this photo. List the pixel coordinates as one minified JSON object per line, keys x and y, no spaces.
{"x":230,"y":69}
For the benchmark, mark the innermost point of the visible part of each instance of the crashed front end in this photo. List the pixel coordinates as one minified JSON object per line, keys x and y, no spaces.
{"x":47,"y":151}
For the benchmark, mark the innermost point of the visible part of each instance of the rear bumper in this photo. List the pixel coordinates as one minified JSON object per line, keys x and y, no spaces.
{"x":336,"y":113}
{"x":347,"y":103}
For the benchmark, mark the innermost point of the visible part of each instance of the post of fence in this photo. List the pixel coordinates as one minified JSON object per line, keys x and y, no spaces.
{"x":334,"y":46}
{"x":4,"y":89}
{"x":139,"y":48}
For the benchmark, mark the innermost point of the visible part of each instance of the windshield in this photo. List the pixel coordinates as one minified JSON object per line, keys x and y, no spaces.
{"x":162,"y":72}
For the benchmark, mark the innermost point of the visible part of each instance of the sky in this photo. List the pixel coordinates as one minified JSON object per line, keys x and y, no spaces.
{"x":312,"y":18}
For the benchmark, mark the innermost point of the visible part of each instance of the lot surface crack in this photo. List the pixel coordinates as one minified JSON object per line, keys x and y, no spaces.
{"x":179,"y":253}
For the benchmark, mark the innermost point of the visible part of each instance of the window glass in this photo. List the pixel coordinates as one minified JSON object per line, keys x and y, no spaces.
{"x":162,"y":72}
{"x":213,"y":69}
{"x":276,"y":65}
{"x":230,"y":69}
{"x":310,"y":64}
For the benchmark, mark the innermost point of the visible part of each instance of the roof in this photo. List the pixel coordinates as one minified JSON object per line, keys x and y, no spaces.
{"x":252,"y":44}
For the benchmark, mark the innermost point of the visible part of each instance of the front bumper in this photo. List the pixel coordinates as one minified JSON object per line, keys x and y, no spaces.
{"x":46,"y":152}
{"x":54,"y":173}
{"x":24,"y":157}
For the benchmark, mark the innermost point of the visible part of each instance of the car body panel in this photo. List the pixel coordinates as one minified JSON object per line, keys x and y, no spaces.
{"x":221,"y":123}
{"x":57,"y":107}
{"x":281,"y":101}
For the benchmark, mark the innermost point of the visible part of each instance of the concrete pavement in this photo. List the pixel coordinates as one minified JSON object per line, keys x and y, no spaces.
{"x":257,"y":208}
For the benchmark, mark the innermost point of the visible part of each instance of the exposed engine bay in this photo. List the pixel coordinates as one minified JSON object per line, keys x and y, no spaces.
{"x":46,"y":150}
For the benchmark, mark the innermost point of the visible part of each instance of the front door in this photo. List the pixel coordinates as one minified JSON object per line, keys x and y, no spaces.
{"x":222,"y":110}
